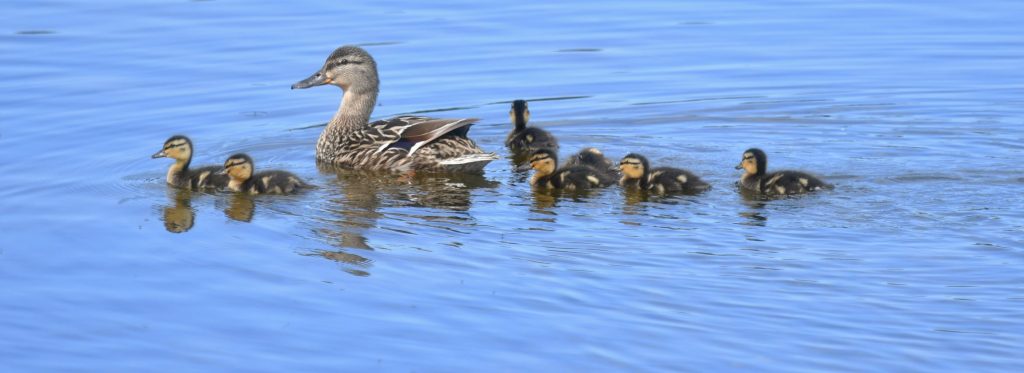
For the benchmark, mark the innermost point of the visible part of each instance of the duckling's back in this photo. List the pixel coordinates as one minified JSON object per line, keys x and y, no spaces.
{"x":674,"y":180}
{"x":531,"y":138}
{"x":581,"y":177}
{"x":277,"y":182}
{"x":593,"y":158}
{"x":207,"y":177}
{"x":792,"y":182}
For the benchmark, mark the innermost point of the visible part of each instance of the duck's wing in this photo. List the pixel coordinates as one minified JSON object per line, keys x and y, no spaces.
{"x":412,"y":132}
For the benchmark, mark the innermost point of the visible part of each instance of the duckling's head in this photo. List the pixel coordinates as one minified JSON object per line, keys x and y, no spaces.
{"x":177,"y":147}
{"x":543,"y":161}
{"x":238,"y":167}
{"x":754,"y":161}
{"x":348,"y":67}
{"x":633,"y":166}
{"x":519,"y":114}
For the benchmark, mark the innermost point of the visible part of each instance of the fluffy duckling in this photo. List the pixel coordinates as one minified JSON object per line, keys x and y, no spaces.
{"x":593,"y":158}
{"x":568,"y":178}
{"x":179,"y":148}
{"x":239,"y":169}
{"x":523,"y":138}
{"x":637,"y":173}
{"x":756,"y":178}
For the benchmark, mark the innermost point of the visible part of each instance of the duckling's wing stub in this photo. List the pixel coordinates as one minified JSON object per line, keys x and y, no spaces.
{"x":793,"y":182}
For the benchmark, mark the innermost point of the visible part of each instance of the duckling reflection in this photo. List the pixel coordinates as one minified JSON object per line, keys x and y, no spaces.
{"x":179,"y":216}
{"x":757,"y":203}
{"x":241,"y":207}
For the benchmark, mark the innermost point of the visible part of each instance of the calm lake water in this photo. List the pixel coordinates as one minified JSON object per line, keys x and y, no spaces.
{"x":913,"y":262}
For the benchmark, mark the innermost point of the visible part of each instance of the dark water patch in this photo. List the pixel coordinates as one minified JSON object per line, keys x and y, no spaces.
{"x":36,"y":32}
{"x":579,"y":50}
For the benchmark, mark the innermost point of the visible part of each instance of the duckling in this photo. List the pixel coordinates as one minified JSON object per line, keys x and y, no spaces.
{"x":637,"y":172}
{"x":756,"y":179}
{"x":239,"y":168}
{"x":523,"y":138}
{"x":568,"y":178}
{"x":593,"y":158}
{"x":179,"y":148}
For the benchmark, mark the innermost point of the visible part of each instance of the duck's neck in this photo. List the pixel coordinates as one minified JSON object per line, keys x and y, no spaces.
{"x":354,"y":110}
{"x":353,"y":113}
{"x":752,"y":181}
{"x":535,"y":180}
{"x":520,"y":123}
{"x":235,"y":185}
{"x":176,"y":170}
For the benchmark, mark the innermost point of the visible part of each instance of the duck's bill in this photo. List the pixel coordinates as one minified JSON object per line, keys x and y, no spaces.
{"x":318,"y":78}
{"x":222,"y":172}
{"x":159,"y":154}
{"x":739,"y":166}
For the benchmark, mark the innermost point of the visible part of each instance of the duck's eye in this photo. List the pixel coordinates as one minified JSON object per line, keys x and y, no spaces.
{"x":343,"y":61}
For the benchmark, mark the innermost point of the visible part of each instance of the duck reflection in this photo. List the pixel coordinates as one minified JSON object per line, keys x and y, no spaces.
{"x":178,"y":216}
{"x":355,"y":200}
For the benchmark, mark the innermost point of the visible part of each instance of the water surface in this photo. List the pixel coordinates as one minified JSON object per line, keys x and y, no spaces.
{"x":913,"y":262}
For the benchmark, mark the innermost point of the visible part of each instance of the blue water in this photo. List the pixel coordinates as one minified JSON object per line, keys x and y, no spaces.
{"x":913,"y":263}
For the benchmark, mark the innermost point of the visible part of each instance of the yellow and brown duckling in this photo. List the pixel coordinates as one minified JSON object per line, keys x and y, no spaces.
{"x":523,"y":138}
{"x":757,"y":179}
{"x":637,"y":173}
{"x":579,"y":177}
{"x":240,"y":170}
{"x":179,"y":148}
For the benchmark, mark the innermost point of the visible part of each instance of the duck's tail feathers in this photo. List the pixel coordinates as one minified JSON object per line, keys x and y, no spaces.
{"x":468,"y":163}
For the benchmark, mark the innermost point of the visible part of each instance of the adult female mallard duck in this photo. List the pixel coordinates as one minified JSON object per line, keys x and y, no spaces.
{"x":523,"y":138}
{"x":179,"y":148}
{"x":637,"y":173}
{"x":578,"y":177}
{"x":404,"y":143}
{"x":239,"y":168}
{"x":756,"y":178}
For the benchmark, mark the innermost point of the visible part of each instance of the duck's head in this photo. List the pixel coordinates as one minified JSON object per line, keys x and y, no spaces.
{"x":238,"y":167}
{"x":633,"y":166}
{"x":754,"y":161}
{"x":177,"y":147}
{"x":543,"y":161}
{"x":519,"y":114}
{"x":348,"y":67}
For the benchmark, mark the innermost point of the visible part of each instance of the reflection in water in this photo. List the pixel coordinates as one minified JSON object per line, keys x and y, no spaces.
{"x":179,"y":216}
{"x":241,"y":207}
{"x":545,"y":198}
{"x":756,"y":202}
{"x":356,"y":198}
{"x":520,"y":161}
